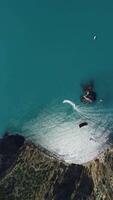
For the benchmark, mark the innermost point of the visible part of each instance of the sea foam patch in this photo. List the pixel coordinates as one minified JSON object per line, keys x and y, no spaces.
{"x":57,"y":129}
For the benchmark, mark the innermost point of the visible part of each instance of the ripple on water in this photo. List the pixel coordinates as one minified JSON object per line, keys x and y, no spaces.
{"x":57,"y":129}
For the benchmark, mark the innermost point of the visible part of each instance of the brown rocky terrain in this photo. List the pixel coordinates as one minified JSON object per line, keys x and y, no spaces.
{"x":28,"y":172}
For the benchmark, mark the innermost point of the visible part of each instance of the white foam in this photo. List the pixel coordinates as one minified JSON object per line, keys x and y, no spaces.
{"x":72,"y":104}
{"x":59,"y":132}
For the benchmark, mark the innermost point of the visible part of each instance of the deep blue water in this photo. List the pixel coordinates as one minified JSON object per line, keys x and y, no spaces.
{"x":47,"y":50}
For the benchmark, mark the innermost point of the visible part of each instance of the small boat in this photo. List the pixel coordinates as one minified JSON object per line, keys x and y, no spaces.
{"x":83,"y":124}
{"x":95,"y":37}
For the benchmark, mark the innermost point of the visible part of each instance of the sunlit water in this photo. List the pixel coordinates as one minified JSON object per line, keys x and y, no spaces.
{"x":47,"y":50}
{"x":57,"y":129}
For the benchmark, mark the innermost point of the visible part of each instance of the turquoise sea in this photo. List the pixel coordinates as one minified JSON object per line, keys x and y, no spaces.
{"x":47,"y":50}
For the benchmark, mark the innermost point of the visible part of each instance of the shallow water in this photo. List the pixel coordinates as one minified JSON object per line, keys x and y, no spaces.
{"x":57,"y":129}
{"x":47,"y":51}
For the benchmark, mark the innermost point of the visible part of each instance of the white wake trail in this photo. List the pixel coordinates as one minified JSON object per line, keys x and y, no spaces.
{"x":57,"y":130}
{"x":76,"y":108}
{"x":72,"y":104}
{"x":80,"y":111}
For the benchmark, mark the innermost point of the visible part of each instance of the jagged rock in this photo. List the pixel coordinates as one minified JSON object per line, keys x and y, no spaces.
{"x":89,"y":94}
{"x":9,"y":146}
{"x":36,"y":174}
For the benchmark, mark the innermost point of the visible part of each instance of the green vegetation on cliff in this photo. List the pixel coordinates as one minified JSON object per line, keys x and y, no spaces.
{"x":34,"y":174}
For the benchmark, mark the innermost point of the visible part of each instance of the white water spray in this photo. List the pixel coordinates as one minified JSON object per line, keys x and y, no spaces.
{"x":73,"y":105}
{"x":58,"y":131}
{"x":76,"y":108}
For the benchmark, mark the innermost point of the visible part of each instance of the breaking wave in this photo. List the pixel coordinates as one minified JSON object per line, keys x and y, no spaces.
{"x":57,"y":129}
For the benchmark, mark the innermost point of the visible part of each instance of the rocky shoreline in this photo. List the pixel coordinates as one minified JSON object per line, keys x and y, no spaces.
{"x":28,"y":172}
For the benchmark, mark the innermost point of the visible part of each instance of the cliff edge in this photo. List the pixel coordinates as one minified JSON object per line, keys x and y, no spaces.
{"x":28,"y":172}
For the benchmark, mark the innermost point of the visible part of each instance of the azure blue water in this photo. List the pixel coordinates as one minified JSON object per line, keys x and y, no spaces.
{"x":47,"y":50}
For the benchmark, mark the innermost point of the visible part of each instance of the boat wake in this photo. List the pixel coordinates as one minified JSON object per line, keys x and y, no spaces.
{"x":57,"y":129}
{"x":72,"y":104}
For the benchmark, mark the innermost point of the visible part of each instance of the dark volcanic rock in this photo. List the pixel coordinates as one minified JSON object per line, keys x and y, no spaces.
{"x":9,"y":146}
{"x":35,"y":174}
{"x":89,"y":94}
{"x":83,"y":124}
{"x":64,"y":188}
{"x":39,"y":176}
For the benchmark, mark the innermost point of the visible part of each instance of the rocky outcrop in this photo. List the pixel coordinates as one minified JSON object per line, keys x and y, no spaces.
{"x":102,"y":175}
{"x":35,"y":174}
{"x":9,"y":146}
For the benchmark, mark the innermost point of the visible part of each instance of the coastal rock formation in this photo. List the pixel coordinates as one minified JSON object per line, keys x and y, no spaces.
{"x":36,"y":174}
{"x":102,"y":174}
{"x":89,"y":94}
{"x":9,"y":147}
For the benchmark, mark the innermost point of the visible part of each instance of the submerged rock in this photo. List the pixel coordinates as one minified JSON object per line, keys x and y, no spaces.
{"x":36,"y":174}
{"x":83,"y":124}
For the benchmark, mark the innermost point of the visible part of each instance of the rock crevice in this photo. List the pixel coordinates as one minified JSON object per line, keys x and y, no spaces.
{"x":34,"y":174}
